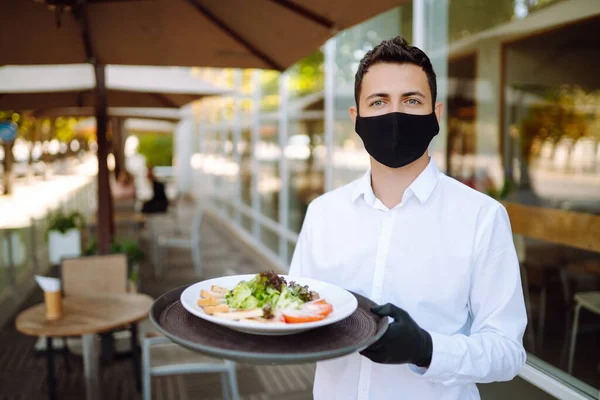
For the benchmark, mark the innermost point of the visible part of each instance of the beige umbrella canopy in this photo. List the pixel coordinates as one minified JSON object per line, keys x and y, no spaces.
{"x":51,"y":86}
{"x":166,"y":114}
{"x":270,"y":34}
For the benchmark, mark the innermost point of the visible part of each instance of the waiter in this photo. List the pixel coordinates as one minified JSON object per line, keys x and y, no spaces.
{"x":437,"y":255}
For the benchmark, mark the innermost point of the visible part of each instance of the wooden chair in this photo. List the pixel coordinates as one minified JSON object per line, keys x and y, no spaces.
{"x":100,"y":274}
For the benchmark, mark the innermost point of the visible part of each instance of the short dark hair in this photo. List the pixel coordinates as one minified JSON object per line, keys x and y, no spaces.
{"x":398,"y":51}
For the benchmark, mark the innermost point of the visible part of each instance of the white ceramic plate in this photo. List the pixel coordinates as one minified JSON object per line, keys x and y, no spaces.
{"x":344,"y":304}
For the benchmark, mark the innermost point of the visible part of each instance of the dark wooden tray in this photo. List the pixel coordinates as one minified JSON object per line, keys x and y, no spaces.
{"x":350,"y":335}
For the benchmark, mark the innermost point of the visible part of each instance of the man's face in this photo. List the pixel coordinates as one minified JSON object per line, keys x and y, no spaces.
{"x":391,"y":87}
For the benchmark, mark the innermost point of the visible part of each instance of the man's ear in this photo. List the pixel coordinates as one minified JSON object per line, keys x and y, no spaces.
{"x":439,"y":111}
{"x":353,"y":114}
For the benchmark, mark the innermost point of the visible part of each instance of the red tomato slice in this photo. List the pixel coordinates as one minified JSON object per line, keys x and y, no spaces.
{"x":297,"y":317}
{"x":318,"y":307}
{"x":322,"y":308}
{"x":308,"y":312}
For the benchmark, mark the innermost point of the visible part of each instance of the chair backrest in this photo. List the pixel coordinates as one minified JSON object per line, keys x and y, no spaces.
{"x":94,"y":275}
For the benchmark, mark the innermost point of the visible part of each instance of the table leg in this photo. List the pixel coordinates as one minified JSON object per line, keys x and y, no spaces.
{"x":66,"y":354}
{"x":90,"y":366}
{"x":135,"y":356}
{"x":51,"y":376}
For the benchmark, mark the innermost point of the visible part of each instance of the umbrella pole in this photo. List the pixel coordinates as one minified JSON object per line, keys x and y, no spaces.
{"x":105,"y":225}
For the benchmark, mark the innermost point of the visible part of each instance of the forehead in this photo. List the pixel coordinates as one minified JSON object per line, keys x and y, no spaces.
{"x":394,"y":78}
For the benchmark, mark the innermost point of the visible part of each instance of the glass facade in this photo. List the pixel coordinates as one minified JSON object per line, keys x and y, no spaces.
{"x":519,"y":82}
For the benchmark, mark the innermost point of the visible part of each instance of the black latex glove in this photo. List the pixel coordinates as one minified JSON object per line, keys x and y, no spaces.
{"x":404,"y":342}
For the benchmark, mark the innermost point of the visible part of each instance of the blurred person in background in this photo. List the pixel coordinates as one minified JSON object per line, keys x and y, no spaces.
{"x":124,"y":186}
{"x":159,"y":202}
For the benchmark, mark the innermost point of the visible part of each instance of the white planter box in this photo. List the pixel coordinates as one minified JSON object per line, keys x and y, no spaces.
{"x":63,"y":245}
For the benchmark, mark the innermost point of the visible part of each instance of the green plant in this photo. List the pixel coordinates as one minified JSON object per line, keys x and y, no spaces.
{"x":502,"y":193}
{"x":130,"y":248}
{"x":157,"y":148}
{"x":62,"y":221}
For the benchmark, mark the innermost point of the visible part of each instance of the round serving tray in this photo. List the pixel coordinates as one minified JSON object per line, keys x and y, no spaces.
{"x":355,"y":333}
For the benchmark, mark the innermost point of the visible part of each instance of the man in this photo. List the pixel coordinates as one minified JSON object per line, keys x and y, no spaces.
{"x":437,"y":254}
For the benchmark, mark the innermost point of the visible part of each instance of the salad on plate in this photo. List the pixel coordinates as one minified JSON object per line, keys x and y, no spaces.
{"x":266,"y":298}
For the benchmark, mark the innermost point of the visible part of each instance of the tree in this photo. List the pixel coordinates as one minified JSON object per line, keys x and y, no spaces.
{"x":307,"y":75}
{"x":156,"y":148}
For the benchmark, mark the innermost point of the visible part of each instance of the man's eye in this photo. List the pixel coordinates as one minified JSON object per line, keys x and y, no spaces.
{"x":377,"y":103}
{"x":414,"y":102}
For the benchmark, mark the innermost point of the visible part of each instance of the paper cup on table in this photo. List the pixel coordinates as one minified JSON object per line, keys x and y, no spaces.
{"x":52,"y":296}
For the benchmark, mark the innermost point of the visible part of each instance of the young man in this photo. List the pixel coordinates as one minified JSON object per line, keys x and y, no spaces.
{"x":438,"y":255}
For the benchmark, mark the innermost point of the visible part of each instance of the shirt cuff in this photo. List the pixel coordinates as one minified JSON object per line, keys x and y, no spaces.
{"x":443,"y":360}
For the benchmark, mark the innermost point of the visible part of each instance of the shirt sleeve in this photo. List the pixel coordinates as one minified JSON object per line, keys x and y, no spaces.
{"x":302,"y":257}
{"x":493,"y":351}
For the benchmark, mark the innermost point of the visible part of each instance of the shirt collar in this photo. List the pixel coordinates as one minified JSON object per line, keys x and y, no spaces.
{"x":363,"y":187}
{"x":422,"y":187}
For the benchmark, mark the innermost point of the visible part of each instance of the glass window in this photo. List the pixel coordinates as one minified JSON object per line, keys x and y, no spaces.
{"x":268,"y":151}
{"x":305,"y":153}
{"x":552,"y":161}
{"x":523,"y":127}
{"x":245,"y":150}
{"x":305,"y":150}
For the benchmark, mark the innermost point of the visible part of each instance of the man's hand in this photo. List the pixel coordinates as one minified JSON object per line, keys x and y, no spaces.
{"x":403,"y":342}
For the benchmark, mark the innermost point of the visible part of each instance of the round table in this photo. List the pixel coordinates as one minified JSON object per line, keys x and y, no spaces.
{"x":86,"y":317}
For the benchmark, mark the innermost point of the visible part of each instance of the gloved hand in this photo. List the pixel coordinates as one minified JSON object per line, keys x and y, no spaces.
{"x":403,"y":342}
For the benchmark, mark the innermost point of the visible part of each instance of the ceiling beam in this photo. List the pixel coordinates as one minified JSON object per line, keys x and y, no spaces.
{"x":164,"y":100}
{"x":306,"y":13}
{"x":235,"y":35}
{"x":80,"y":14}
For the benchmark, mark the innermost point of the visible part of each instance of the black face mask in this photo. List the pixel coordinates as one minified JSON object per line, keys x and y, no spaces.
{"x":397,"y":139}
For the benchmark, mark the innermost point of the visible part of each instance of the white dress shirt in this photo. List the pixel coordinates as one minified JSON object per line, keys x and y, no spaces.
{"x":445,"y":254}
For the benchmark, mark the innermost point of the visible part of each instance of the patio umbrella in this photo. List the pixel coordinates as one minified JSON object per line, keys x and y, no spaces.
{"x":56,"y":86}
{"x":49,"y":89}
{"x":167,"y":114}
{"x":214,"y":33}
{"x":272,"y":34}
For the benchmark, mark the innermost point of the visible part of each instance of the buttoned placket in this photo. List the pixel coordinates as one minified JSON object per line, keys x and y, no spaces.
{"x":383,"y":245}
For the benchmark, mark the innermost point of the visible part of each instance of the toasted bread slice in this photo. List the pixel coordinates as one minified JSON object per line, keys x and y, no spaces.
{"x":219,"y":289}
{"x":221,"y":309}
{"x":210,"y":301}
{"x":207,"y":294}
{"x":237,"y":315}
{"x":261,"y":320}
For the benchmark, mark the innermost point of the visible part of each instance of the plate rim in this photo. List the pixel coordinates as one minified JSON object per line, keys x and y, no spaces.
{"x":300,"y":327}
{"x":261,"y":358}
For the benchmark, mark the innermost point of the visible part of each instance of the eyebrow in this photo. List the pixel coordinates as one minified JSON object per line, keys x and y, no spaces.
{"x":405,"y":94}
{"x":377,"y":95}
{"x":413,"y":93}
